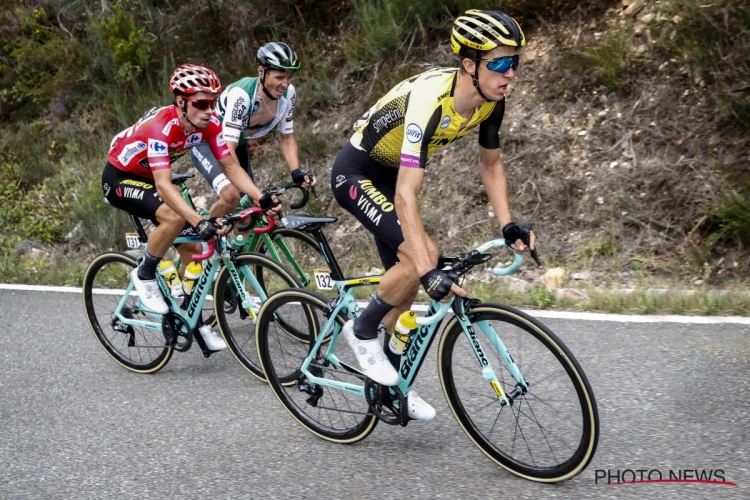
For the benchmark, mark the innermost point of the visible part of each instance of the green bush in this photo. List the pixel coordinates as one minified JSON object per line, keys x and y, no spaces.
{"x":612,"y":59}
{"x":37,"y":63}
{"x":131,"y":48}
{"x":528,"y":10}
{"x":37,"y":214}
{"x":729,"y":221}
{"x":715,"y":37}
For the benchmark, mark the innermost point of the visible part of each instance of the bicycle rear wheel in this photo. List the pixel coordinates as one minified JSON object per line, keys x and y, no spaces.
{"x":237,"y":325}
{"x":332,"y":414}
{"x":303,"y":249}
{"x":548,"y":434}
{"x":140,"y":350}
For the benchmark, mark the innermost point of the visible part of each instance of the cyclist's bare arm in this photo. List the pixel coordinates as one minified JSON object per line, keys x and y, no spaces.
{"x":232,"y":147}
{"x":496,"y":185}
{"x":172,"y":196}
{"x":239,"y":178}
{"x":290,"y":151}
{"x":407,"y":187}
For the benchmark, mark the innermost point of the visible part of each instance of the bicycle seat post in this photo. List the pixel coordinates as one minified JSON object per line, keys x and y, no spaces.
{"x":317,"y":233}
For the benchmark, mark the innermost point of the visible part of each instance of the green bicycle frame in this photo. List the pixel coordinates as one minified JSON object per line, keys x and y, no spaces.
{"x":252,"y":243}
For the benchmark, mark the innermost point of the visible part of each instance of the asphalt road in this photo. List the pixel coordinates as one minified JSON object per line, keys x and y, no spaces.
{"x":73,"y":424}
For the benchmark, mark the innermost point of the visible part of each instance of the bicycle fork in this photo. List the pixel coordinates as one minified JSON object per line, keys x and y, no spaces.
{"x":459,"y":308}
{"x":242,"y":298}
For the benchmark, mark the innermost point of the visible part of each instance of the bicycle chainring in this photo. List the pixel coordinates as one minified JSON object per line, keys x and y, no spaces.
{"x":177,"y":332}
{"x":388,"y":404}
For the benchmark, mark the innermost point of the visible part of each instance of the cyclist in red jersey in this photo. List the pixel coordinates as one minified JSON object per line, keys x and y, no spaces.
{"x":138,"y":174}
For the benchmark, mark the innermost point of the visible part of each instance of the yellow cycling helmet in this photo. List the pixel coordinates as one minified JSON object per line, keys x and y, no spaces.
{"x":484,"y":30}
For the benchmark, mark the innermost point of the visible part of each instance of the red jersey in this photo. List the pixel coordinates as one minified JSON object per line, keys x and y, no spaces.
{"x":158,"y":139}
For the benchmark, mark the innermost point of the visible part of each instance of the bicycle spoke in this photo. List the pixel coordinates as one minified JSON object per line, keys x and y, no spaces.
{"x":518,"y":425}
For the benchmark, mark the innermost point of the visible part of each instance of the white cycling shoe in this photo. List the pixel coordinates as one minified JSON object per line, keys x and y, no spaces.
{"x":417,"y":408}
{"x":213,"y":340}
{"x":149,"y":293}
{"x":372,"y":359}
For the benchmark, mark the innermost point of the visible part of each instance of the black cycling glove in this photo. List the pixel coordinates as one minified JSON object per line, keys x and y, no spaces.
{"x":436,"y":283}
{"x":298,"y":176}
{"x":207,"y":228}
{"x":513,"y":232}
{"x":266,"y":202}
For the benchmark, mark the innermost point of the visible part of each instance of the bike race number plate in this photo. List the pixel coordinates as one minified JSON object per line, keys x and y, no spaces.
{"x":132,"y":240}
{"x":323,"y":279}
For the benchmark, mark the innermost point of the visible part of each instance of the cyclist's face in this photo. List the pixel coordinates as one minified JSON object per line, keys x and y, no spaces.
{"x":495,"y":85}
{"x":277,"y":81}
{"x":197,"y":116}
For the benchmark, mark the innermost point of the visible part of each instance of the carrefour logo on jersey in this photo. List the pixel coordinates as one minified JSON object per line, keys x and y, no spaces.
{"x":414,"y":133}
{"x":194,"y":139}
{"x":156,"y":148}
{"x":130,"y":151}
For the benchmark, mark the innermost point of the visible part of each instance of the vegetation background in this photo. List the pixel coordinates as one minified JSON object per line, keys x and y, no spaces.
{"x":625,"y":140}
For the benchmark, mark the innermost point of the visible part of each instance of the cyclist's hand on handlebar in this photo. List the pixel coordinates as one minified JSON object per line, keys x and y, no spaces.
{"x":519,"y":236}
{"x":208,"y":229}
{"x":439,"y":286}
{"x":270,"y":203}
{"x":307,"y":179}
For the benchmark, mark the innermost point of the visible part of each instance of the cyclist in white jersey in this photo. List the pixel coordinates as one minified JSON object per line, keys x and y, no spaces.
{"x":248,"y":109}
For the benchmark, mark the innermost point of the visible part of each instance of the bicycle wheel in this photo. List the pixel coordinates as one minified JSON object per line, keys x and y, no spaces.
{"x":332,"y":414}
{"x":237,"y":325}
{"x":548,"y":434}
{"x":140,"y":350}
{"x":304,"y":250}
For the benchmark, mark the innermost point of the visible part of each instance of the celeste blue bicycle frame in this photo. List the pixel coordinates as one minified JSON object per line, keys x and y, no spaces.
{"x":202,"y":288}
{"x":419,"y":343}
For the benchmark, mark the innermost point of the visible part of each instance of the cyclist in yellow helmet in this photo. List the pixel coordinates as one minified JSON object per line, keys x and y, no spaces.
{"x":378,"y":173}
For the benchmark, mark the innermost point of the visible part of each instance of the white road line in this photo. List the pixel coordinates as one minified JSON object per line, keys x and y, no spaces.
{"x":537,"y":313}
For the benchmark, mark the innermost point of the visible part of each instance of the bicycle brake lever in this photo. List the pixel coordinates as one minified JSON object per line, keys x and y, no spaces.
{"x":535,"y":256}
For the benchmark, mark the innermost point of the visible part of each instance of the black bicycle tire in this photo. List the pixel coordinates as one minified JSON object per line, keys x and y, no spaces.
{"x":88,"y":306}
{"x":291,"y":233}
{"x":264,"y":316}
{"x":220,"y":313}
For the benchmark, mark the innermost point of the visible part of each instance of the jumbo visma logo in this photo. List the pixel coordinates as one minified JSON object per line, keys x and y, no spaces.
{"x":376,"y":196}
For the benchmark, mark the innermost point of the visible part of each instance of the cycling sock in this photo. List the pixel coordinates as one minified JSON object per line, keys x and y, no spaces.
{"x":147,"y":269}
{"x":366,"y":326}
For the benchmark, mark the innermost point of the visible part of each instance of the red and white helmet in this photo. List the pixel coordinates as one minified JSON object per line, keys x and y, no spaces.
{"x":191,"y":79}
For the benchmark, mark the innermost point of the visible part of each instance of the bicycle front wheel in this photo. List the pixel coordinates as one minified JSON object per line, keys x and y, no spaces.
{"x":547,"y":434}
{"x":237,"y":324}
{"x":138,"y":349}
{"x":330,"y":413}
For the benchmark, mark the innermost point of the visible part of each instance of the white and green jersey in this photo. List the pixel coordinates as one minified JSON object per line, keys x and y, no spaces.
{"x":240,"y":101}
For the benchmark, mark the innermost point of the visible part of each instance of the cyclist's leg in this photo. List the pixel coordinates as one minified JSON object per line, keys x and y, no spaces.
{"x":137,"y":195}
{"x":371,"y":201}
{"x":205,"y":162}
{"x":402,"y":286}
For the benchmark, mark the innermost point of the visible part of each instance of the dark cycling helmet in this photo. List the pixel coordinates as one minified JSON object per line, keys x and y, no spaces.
{"x":484,"y":30}
{"x":278,"y":55}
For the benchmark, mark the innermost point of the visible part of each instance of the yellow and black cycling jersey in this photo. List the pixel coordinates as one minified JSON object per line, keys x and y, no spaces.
{"x":417,"y":117}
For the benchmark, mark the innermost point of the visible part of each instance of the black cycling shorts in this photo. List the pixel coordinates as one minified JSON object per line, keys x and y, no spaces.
{"x":134,"y":194}
{"x":368,"y":198}
{"x":207,"y":164}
